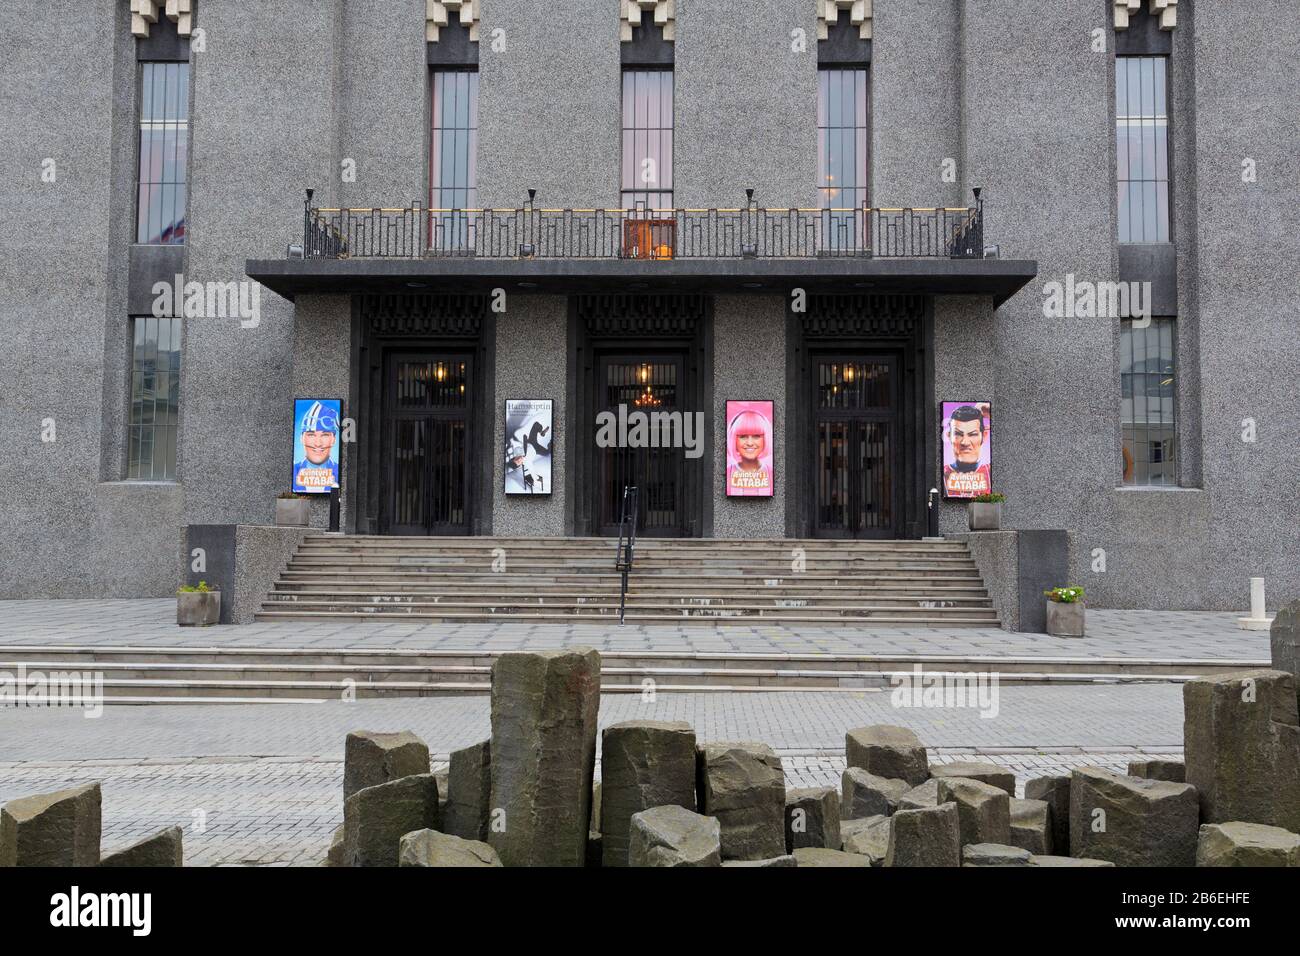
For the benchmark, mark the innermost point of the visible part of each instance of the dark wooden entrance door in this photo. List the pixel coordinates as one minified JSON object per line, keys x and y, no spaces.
{"x":857,"y":447}
{"x":647,"y":383}
{"x":429,"y":420}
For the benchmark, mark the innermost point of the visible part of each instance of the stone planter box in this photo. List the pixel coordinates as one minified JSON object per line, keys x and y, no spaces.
{"x":292,"y":512}
{"x":984,"y":515}
{"x":198,"y":608}
{"x":1065,"y":620}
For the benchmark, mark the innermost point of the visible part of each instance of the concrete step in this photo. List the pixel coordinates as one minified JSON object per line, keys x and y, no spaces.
{"x":406,"y":660}
{"x":310,"y":674}
{"x":755,"y":569}
{"x":643,"y":543}
{"x":967,"y":576}
{"x":257,"y":690}
{"x":303,"y":591}
{"x":609,"y":603}
{"x":635,"y":616}
{"x":295,"y":674}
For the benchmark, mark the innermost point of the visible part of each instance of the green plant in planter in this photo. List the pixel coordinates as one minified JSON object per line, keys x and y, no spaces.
{"x":1066,"y":595}
{"x":990,"y":498}
{"x":200,"y":588}
{"x":290,"y":494}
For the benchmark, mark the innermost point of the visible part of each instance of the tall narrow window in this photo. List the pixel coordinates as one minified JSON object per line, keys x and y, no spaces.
{"x":1147,"y":404}
{"x":155,"y":399}
{"x":842,"y":138}
{"x":164,"y":152}
{"x":453,"y":159}
{"x":842,"y":157}
{"x":1142,"y":148}
{"x":648,"y":139}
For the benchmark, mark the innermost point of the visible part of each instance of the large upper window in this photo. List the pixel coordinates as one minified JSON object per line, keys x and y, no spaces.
{"x":647,"y":139}
{"x":453,"y":157}
{"x":1147,"y":403}
{"x":164,"y":152}
{"x":842,"y":158}
{"x":155,"y":399}
{"x":1142,"y":148}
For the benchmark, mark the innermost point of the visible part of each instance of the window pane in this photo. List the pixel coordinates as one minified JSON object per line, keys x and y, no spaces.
{"x":1142,"y":149}
{"x":155,"y":399}
{"x":453,"y":161}
{"x":1148,"y":402}
{"x":647,"y":164}
{"x":842,"y":110}
{"x":164,"y":153}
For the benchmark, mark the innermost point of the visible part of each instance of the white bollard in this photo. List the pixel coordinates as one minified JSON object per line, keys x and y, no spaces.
{"x":1258,"y":620}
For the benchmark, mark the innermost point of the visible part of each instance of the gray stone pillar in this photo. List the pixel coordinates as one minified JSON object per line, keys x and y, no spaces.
{"x":544,"y":709}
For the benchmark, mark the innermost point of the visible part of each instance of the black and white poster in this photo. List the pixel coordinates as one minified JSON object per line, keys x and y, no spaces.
{"x":528,"y":441}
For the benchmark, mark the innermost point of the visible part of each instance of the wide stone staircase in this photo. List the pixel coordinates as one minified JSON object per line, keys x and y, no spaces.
{"x":706,"y":581}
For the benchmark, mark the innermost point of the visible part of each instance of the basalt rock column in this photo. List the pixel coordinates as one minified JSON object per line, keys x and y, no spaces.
{"x":544,"y":709}
{"x":1241,"y":737}
{"x":52,"y":829}
{"x":643,"y":764}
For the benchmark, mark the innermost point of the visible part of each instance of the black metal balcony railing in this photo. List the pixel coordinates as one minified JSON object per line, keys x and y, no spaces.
{"x":654,"y":234}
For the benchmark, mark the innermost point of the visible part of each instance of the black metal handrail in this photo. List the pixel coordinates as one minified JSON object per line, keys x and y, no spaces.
{"x":625,"y":555}
{"x":418,"y":231}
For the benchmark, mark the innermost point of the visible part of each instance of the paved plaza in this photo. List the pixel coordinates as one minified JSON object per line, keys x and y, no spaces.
{"x":262,"y":783}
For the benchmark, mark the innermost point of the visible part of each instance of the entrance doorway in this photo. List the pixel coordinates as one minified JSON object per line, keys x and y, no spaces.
{"x":647,"y":383}
{"x":429,"y":414}
{"x":857,"y":446}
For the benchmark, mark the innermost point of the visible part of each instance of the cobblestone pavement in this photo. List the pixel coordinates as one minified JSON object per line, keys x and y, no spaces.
{"x":1138,"y":634}
{"x":264,"y":781}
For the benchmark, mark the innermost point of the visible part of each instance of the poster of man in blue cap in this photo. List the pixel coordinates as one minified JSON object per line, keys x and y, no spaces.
{"x":316,"y":445}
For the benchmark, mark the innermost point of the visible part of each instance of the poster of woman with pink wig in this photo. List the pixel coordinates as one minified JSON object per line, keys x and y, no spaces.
{"x":749,"y":449}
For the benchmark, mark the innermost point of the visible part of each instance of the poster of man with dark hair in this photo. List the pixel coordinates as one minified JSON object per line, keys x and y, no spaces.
{"x":967,"y":449}
{"x":528,"y":440}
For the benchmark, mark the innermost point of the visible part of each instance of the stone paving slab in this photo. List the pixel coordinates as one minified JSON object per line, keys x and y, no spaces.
{"x":1111,"y":633}
{"x":258,"y":811}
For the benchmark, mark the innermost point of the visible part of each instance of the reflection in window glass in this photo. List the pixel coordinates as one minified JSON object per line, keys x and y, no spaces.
{"x":164,"y":152}
{"x":155,"y":399}
{"x":647,"y":175}
{"x":453,"y":157}
{"x":1147,"y":403}
{"x":1142,"y":148}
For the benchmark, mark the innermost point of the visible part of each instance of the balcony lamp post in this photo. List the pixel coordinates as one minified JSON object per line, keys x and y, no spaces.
{"x":526,"y":249}
{"x":749,"y":249}
{"x":298,"y":250}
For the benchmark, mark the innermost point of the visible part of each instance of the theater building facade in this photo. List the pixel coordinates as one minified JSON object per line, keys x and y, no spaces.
{"x":1042,"y":249}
